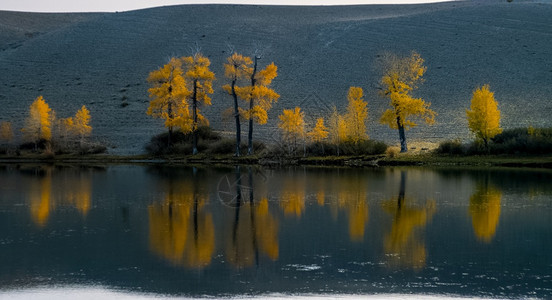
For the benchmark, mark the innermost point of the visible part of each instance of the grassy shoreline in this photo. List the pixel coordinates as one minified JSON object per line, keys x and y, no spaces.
{"x":426,"y":159}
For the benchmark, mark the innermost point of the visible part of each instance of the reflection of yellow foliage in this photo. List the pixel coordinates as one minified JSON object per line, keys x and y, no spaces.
{"x":401,"y":242}
{"x":293,"y":198}
{"x":71,"y":190}
{"x":168,"y":229}
{"x":320,"y":197}
{"x":41,"y":201}
{"x":256,"y":230}
{"x":352,"y":196}
{"x":79,"y":193}
{"x":485,"y":212}
{"x":267,"y":230}
{"x":173,"y":232}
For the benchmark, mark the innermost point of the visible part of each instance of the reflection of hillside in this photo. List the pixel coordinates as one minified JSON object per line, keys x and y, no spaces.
{"x":402,"y":244}
{"x":180,"y":230}
{"x":254,"y":232}
{"x":73,"y":188}
{"x":485,"y":211}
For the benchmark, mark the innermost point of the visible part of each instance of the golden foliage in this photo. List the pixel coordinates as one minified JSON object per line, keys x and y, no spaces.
{"x":337,"y":130}
{"x":6,"y":132}
{"x":292,"y":124}
{"x":485,"y":212}
{"x":180,"y":230}
{"x":483,"y":115}
{"x":200,"y":83}
{"x":357,"y":114}
{"x":319,"y":132}
{"x":402,"y":241}
{"x":260,"y":94}
{"x":237,"y":67}
{"x":39,"y":123}
{"x":400,"y":78}
{"x":169,"y":93}
{"x":81,"y":122}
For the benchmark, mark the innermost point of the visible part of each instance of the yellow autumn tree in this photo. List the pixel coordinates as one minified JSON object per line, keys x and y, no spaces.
{"x":483,"y":115}
{"x":6,"y":132}
{"x":200,"y":82}
{"x":168,"y":95}
{"x":400,"y":78}
{"x":236,"y":68}
{"x":337,"y":128}
{"x":81,"y":124}
{"x":292,"y":124}
{"x":357,"y":114}
{"x":39,"y":123}
{"x":320,"y":132}
{"x":259,"y":97}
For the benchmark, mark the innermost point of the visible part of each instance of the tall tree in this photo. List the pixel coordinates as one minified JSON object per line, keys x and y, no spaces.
{"x":81,"y":124}
{"x":292,"y":124}
{"x":483,"y":115}
{"x":200,"y":79}
{"x":169,"y":92}
{"x":357,"y":113}
{"x":337,"y":128}
{"x":39,"y":123}
{"x":400,"y":77}
{"x":260,"y":97}
{"x":237,"y":67}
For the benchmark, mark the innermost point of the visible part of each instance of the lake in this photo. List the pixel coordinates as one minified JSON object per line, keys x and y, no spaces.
{"x":247,"y":231}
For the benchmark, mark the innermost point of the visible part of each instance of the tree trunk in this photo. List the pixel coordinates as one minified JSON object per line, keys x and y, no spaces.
{"x":402,"y":136}
{"x":252,"y":218}
{"x":251,"y":104}
{"x":194,"y":125}
{"x":237,"y":116}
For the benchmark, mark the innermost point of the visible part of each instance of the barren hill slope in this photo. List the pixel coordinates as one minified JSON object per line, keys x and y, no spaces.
{"x":102,"y":61}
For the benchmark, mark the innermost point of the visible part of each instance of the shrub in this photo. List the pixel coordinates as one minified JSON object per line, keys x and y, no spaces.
{"x":451,"y":147}
{"x":523,"y":141}
{"x":392,"y":152}
{"x":363,"y":147}
{"x":181,"y":143}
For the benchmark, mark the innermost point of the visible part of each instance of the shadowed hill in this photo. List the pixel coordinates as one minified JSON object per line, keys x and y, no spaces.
{"x":102,"y":61}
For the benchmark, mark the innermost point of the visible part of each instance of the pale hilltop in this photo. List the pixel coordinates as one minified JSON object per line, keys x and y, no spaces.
{"x":102,"y":60}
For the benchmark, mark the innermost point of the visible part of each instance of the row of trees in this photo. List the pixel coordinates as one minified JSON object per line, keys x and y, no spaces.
{"x":185,"y":82}
{"x":42,"y":126}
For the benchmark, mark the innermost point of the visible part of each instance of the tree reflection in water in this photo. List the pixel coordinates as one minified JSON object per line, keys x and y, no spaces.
{"x":73,"y":188}
{"x":403,"y":244}
{"x":254,"y":229}
{"x":485,"y":211}
{"x":180,"y":230}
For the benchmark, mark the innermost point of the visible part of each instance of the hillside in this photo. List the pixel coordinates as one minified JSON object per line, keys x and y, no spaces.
{"x":102,"y":60}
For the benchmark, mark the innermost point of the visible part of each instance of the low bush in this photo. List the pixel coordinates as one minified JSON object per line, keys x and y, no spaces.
{"x":451,"y":147}
{"x":363,"y":147}
{"x":517,"y":141}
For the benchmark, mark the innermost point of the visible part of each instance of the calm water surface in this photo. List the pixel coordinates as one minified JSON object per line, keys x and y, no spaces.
{"x":184,"y":231}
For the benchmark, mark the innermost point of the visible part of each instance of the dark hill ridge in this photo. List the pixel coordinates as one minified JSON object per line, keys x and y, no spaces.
{"x":102,"y":61}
